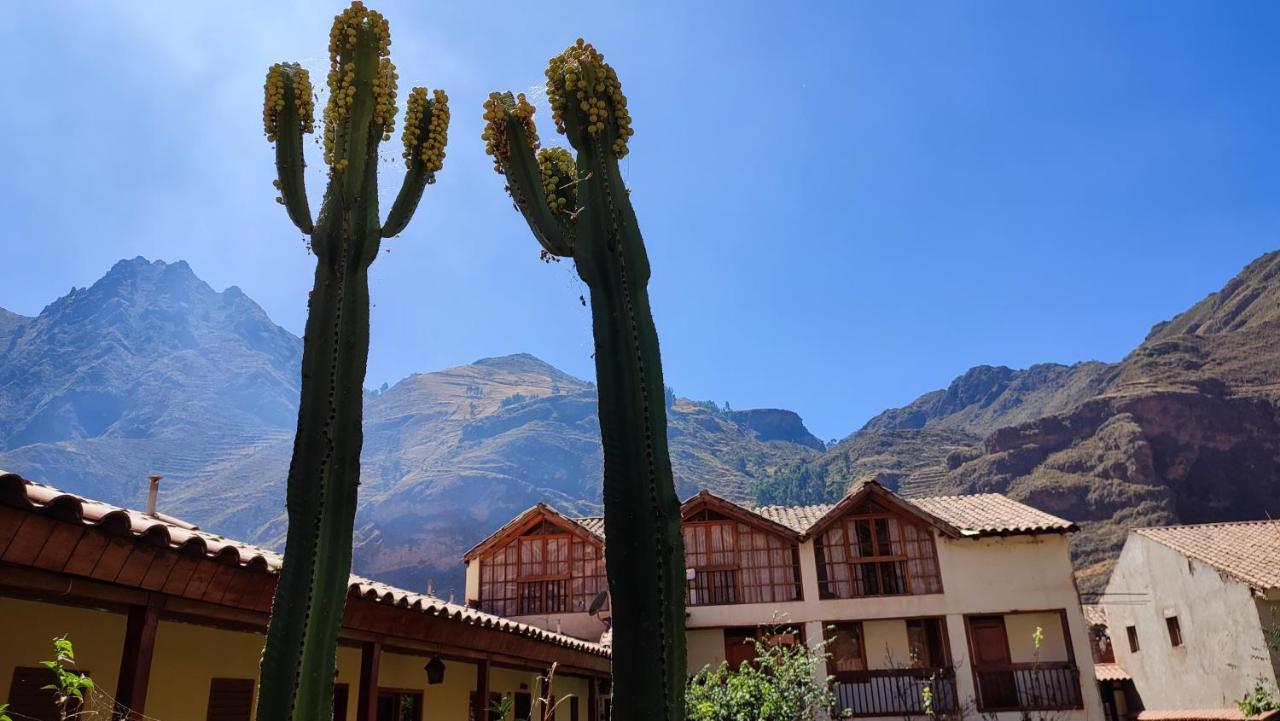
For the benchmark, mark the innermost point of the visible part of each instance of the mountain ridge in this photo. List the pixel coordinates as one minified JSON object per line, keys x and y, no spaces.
{"x":151,"y":370}
{"x":1184,"y":429}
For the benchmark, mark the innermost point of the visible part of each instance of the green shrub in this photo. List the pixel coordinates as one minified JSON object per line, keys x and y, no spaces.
{"x":778,"y":686}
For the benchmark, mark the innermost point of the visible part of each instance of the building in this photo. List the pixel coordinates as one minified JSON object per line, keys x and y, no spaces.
{"x":947,"y":592}
{"x":1197,"y":602}
{"x":169,"y":620}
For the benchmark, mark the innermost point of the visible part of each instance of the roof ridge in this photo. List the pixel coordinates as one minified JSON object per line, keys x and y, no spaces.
{"x":1210,"y":524}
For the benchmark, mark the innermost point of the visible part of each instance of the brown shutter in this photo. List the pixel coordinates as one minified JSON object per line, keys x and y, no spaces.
{"x":230,"y":699}
{"x":29,"y":698}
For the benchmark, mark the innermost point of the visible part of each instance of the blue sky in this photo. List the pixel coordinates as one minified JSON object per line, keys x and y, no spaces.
{"x":846,"y":204}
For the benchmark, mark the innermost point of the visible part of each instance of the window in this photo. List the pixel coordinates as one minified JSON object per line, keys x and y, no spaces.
{"x":1132,"y":633}
{"x":230,"y":699}
{"x":545,"y":570}
{"x":1175,"y":630}
{"x":848,"y":652}
{"x":875,"y":553}
{"x":733,"y":562}
{"x":573,"y":706}
{"x":341,"y":695}
{"x":926,"y":644}
{"x":399,"y":705}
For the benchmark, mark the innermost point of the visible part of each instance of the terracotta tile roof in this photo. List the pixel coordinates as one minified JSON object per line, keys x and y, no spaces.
{"x":982,"y":514}
{"x":165,"y":532}
{"x":1247,"y":550}
{"x":798,"y":518}
{"x":1110,"y":672}
{"x":1205,"y":714}
{"x":991,"y":514}
{"x":593,"y":524}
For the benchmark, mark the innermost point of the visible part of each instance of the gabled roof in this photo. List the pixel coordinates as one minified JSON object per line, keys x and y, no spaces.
{"x":708,"y":500}
{"x":976,"y":515}
{"x":1246,"y":550}
{"x":528,"y":519}
{"x":137,"y":534}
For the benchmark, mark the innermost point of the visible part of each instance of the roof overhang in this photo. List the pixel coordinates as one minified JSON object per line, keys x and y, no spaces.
{"x":871,"y":489}
{"x":705,"y":499}
{"x":529,"y":518}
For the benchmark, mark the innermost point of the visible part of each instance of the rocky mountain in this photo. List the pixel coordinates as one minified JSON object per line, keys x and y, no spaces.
{"x":151,"y":370}
{"x":1184,"y":430}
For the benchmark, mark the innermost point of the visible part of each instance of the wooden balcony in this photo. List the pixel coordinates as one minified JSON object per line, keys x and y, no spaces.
{"x":894,"y":692}
{"x":1029,"y":687}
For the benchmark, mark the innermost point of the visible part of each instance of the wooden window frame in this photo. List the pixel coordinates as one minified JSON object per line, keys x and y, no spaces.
{"x":504,"y":567}
{"x":851,"y":547}
{"x":416,"y":693}
{"x":705,"y":521}
{"x":1131,"y":633}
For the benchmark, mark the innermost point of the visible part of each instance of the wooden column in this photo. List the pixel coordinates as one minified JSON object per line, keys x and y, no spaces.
{"x":593,"y":703}
{"x":481,"y":711}
{"x":135,"y":662}
{"x":367,"y":699}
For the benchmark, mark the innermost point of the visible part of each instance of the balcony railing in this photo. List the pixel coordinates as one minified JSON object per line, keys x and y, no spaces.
{"x":1028,"y":686}
{"x":893,"y":692}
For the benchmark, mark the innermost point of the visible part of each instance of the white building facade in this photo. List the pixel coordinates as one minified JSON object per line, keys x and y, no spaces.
{"x":971,"y":596}
{"x":1197,"y":602}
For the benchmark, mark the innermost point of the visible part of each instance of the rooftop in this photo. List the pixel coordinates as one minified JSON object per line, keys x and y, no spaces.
{"x":1247,"y":550}
{"x":979,"y":514}
{"x":114,"y":562}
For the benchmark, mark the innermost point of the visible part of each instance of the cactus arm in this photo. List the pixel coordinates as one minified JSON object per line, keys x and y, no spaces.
{"x":426,"y":128}
{"x":513,"y":141}
{"x":361,"y":109}
{"x":287,"y":115}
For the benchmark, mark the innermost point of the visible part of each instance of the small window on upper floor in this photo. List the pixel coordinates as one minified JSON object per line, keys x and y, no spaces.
{"x":1175,"y":630}
{"x":1132,"y":633}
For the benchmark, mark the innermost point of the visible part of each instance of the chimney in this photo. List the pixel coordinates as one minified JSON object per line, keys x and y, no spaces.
{"x":152,"y":493}
{"x":451,"y":595}
{"x":431,"y":590}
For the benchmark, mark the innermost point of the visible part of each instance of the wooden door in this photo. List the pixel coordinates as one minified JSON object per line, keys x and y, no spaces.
{"x":523,"y":705}
{"x":996,"y":686}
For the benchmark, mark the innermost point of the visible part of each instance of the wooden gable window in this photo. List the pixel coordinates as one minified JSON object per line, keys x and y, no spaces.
{"x":875,"y":552}
{"x":732,"y":562}
{"x":545,"y":570}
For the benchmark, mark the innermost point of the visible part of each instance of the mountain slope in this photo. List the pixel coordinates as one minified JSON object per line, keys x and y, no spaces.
{"x":1184,"y":430}
{"x":151,"y":370}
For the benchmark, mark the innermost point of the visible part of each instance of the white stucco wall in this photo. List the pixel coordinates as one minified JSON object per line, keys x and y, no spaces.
{"x":1223,"y":645}
{"x":1011,"y":575}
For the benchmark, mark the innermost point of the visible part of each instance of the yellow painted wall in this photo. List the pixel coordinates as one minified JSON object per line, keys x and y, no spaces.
{"x":1021,"y":628}
{"x":887,"y":644}
{"x":187,"y":658}
{"x":27,"y":629}
{"x":706,"y":648}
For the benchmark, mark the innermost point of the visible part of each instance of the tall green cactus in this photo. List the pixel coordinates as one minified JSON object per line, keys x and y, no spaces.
{"x":580,"y":208}
{"x":301,"y":652}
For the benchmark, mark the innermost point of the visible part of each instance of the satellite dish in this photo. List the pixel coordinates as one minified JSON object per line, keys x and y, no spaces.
{"x":597,"y":603}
